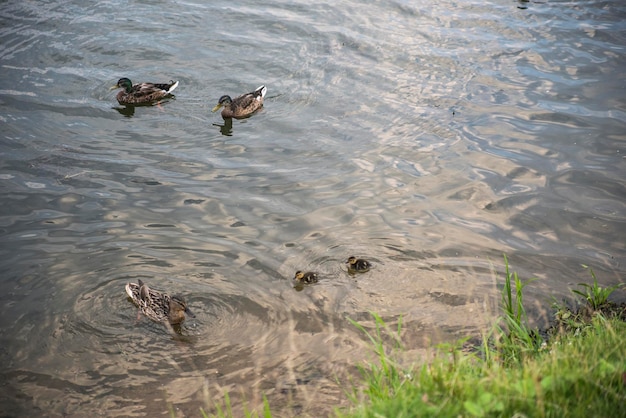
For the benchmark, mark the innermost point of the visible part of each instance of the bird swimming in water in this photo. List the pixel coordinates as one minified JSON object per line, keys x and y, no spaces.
{"x":142,"y":93}
{"x":306,"y":278}
{"x":158,"y":306}
{"x":358,"y":264}
{"x":242,"y":106}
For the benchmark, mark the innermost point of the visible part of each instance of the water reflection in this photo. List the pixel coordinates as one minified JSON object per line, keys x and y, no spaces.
{"x":226,"y":128}
{"x":127,"y":111}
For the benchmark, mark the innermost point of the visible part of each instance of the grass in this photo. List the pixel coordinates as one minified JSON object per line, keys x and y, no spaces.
{"x":576,"y":369}
{"x":227,"y":411}
{"x":596,"y":296}
{"x":579,"y":376}
{"x":516,"y":341}
{"x":576,"y":372}
{"x":385,"y":377}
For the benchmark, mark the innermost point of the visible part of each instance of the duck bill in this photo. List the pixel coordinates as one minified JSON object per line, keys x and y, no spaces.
{"x":188,"y":312}
{"x":216,"y":108}
{"x":114,"y":87}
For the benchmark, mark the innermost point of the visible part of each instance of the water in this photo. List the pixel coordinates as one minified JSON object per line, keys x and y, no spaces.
{"x":429,"y":138}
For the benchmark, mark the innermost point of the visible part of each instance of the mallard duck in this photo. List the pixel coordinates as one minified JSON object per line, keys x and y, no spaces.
{"x":158,"y":306}
{"x":242,"y":106}
{"x":358,"y":264}
{"x":142,"y":93}
{"x":306,"y":278}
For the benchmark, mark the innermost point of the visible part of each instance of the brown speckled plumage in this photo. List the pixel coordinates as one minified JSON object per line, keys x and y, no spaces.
{"x":158,"y":306}
{"x":242,"y":106}
{"x":142,"y":93}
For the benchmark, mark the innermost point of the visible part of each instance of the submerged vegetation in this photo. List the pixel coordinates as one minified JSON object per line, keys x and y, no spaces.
{"x":577,"y":368}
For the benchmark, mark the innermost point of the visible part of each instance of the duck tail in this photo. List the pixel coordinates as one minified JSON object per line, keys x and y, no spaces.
{"x":172,"y":87}
{"x":129,"y":291}
{"x":261,"y":90}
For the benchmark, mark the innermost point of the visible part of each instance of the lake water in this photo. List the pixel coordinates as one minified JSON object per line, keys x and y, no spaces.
{"x":428,"y":137}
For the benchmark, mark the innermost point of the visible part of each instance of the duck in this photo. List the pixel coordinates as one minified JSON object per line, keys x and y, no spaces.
{"x":158,"y":306}
{"x":242,"y":106}
{"x":142,"y":93}
{"x":307,"y":278}
{"x":358,"y":264}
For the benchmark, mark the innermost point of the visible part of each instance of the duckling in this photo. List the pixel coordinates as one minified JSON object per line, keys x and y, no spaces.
{"x":158,"y":306}
{"x":358,"y":264}
{"x":242,"y":106}
{"x":308,"y":277}
{"x":142,"y":93}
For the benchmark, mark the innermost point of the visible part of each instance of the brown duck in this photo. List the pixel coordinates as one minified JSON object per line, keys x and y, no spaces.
{"x":142,"y":93}
{"x":158,"y":306}
{"x":242,"y":106}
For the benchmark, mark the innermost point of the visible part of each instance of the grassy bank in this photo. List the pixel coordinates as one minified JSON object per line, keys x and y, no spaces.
{"x":577,"y":368}
{"x":575,"y":376}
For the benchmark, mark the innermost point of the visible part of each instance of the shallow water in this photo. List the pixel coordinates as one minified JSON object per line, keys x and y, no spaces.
{"x":427,"y":138}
